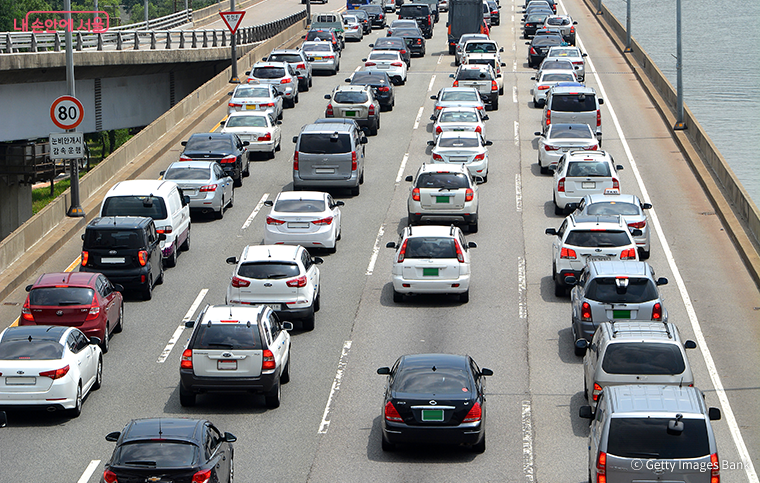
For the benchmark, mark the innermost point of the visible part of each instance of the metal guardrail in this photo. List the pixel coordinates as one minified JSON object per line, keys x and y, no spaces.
{"x":143,"y":39}
{"x":162,"y":23}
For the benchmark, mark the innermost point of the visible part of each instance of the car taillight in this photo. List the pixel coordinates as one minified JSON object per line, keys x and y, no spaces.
{"x":324,"y":221}
{"x":329,"y":111}
{"x":480,"y":157}
{"x":266,"y":137}
{"x":549,"y":147}
{"x":403,"y":51}
{"x":85,"y":257}
{"x":460,"y":255}
{"x":297,"y":282}
{"x":494,"y":86}
{"x":416,"y":194}
{"x":657,"y":311}
{"x":455,"y":84}
{"x":234,"y":104}
{"x":381,"y":16}
{"x":267,"y":361}
{"x":369,"y":64}
{"x":286,"y":80}
{"x":572,"y":30}
{"x":182,"y":157}
{"x":202,"y":476}
{"x":56,"y":374}
{"x":593,"y":147}
{"x":597,"y":390}
{"x":301,"y":66}
{"x":430,"y":21}
{"x":474,"y":414}
{"x":238,"y":282}
{"x":142,"y":257}
{"x":469,"y":194}
{"x":638,"y":225}
{"x":601,"y":466}
{"x":187,"y":359}
{"x":598,"y":117}
{"x":578,"y":63}
{"x":354,"y":161}
{"x":94,"y":311}
{"x":295,"y":161}
{"x":628,"y":254}
{"x":533,"y":51}
{"x":228,"y":159}
{"x":543,"y":88}
{"x":548,"y":117}
{"x":402,"y":251}
{"x":478,"y":129}
{"x":479,"y":108}
{"x":371,"y":110}
{"x":714,"y":468}
{"x":207,"y":188}
{"x":164,"y":229}
{"x":328,"y":56}
{"x":419,"y":41}
{"x":495,"y":12}
{"x":384,"y":89}
{"x":26,"y":311}
{"x":391,"y":414}
{"x":396,"y":64}
{"x":110,"y":477}
{"x":615,"y":184}
{"x":561,"y":185}
{"x":586,"y":312}
{"x":437,"y":157}
{"x":568,"y":253}
{"x":274,"y":221}
{"x":438,"y":130}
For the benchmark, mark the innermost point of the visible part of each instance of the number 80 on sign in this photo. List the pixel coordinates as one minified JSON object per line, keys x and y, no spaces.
{"x":67,"y":112}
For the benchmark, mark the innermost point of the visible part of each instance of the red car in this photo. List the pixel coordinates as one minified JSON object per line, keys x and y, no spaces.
{"x":87,"y":301}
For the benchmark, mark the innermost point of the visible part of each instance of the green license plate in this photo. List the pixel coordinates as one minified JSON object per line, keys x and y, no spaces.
{"x":350,"y":113}
{"x":441,"y":199}
{"x":429,"y":272}
{"x":621,"y":314}
{"x":432,"y":414}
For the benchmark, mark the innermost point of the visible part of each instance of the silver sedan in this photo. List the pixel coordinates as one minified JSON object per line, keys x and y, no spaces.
{"x":457,"y":97}
{"x":259,"y":98}
{"x":352,"y":28}
{"x":460,"y":119}
{"x":561,"y":138}
{"x":322,"y":56}
{"x":209,"y":189}
{"x":571,"y":54}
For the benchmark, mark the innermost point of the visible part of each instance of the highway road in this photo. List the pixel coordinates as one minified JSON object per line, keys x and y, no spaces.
{"x":328,"y":427}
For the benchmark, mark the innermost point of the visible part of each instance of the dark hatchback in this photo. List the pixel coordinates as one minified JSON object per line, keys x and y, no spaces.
{"x":394,"y":43}
{"x":435,"y":399}
{"x":382,"y":87}
{"x":172,"y":450}
{"x":540,"y":46}
{"x":532,"y":23}
{"x":225,"y":148}
{"x":414,"y":39}
{"x":363,"y":17}
{"x":376,"y":15}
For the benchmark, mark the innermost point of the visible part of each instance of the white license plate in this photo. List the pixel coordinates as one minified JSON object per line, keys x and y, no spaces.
{"x":112,"y":260}
{"x":274,"y":306}
{"x":458,"y":159}
{"x":20,"y":381}
{"x":225,"y":365}
{"x":324,"y":170}
{"x":381,"y":66}
{"x":298,"y":225}
{"x":588,"y":185}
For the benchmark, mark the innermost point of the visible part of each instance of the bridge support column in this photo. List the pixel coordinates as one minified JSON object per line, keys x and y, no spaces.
{"x":15,"y":203}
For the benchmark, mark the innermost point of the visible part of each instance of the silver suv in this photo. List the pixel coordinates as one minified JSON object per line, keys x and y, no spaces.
{"x":483,"y":78}
{"x":614,"y":290}
{"x":573,"y":104}
{"x":635,"y":353}
{"x":443,"y":194}
{"x":355,"y":102}
{"x":279,"y":74}
{"x":638,"y":433}
{"x":296,"y":59}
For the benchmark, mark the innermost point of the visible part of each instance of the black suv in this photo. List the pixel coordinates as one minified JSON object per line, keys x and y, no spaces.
{"x":126,"y":250}
{"x":421,"y":13}
{"x":381,"y":84}
{"x":376,"y":15}
{"x":225,"y":148}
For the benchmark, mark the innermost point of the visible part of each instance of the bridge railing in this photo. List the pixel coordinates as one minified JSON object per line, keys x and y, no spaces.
{"x":143,"y":39}
{"x":162,"y":23}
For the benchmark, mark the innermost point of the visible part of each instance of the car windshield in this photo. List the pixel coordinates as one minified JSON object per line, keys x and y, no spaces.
{"x":458,"y":116}
{"x":573,"y":102}
{"x":246,"y":121}
{"x":469,"y":96}
{"x":243,"y":92}
{"x":648,"y":437}
{"x":207,"y":143}
{"x":473,"y":74}
{"x":570,"y":131}
{"x":113,"y":239}
{"x":268,"y":270}
{"x":350,"y":97}
{"x":320,"y":47}
{"x":643,"y":358}
{"x":324,"y":143}
{"x":598,"y":239}
{"x":612,"y":208}
{"x":268,"y":72}
{"x":237,"y":336}
{"x":34,"y":350}
{"x":445,"y":142}
{"x":615,"y":290}
{"x":300,"y":206}
{"x":450,"y":181}
{"x":149,"y":206}
{"x":430,"y":247}
{"x":480,"y":47}
{"x":425,"y":381}
{"x":61,"y":296}
{"x":156,"y":454}
{"x":586,"y":169}
{"x":188,"y":173}
{"x":557,"y":78}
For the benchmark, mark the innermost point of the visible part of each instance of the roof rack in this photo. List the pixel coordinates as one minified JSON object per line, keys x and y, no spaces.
{"x":614,"y":329}
{"x":667,"y":329}
{"x":451,"y":231}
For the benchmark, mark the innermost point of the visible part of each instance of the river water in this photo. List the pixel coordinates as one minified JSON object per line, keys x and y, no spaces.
{"x":721,"y":69}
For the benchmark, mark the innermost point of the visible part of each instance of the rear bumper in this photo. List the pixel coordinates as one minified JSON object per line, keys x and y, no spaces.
{"x":468,"y":433}
{"x":198,"y":384}
{"x":406,"y":286}
{"x":320,"y":239}
{"x":286,"y":312}
{"x":345,"y":183}
{"x":461,"y":218}
{"x":131,"y":279}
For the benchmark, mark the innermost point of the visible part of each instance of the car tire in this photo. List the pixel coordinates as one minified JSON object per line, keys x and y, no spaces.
{"x":495,"y":104}
{"x":558,"y":211}
{"x":452,"y":51}
{"x":386,"y":445}
{"x":355,"y":191}
{"x":232,"y":199}
{"x":480,"y":447}
{"x":279,"y":145}
{"x":160,"y":278}
{"x":77,"y":409}
{"x":247,"y":170}
{"x":644,"y":254}
{"x":171,"y":261}
{"x":98,"y":375}
{"x":120,"y":324}
{"x":186,"y":244}
{"x":473,"y":227}
{"x":580,"y":353}
{"x":317,"y":302}
{"x":271,"y":154}
{"x":374,"y":128}
{"x":501,"y":90}
{"x":220,"y":214}
{"x":148,"y":291}
{"x":361,"y":178}
{"x":307,"y":323}
{"x":285,"y":377}
{"x":485,"y":178}
{"x":186,"y":398}
{"x":559,"y":290}
{"x":274,"y":396}
{"x":398,"y":297}
{"x":105,"y":344}
{"x":464,"y":297}
{"x":279,"y":116}
{"x":238,"y":182}
{"x":296,"y":99}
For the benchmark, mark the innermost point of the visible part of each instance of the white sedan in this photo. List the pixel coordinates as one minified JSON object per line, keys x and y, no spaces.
{"x":388,"y":61}
{"x":306,"y":218}
{"x":258,"y":128}
{"x":561,"y":138}
{"x":547,"y":80}
{"x":48,"y":367}
{"x":459,"y":119}
{"x":250,"y":97}
{"x":467,"y":148}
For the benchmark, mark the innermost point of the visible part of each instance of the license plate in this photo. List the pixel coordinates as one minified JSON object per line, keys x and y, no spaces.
{"x":442,"y":199}
{"x":429,"y":272}
{"x":112,"y":260}
{"x":226,"y":365}
{"x":597,"y":259}
{"x":324,"y":170}
{"x":317,"y":58}
{"x":432,"y":414}
{"x":588,"y":185}
{"x":20,"y":381}
{"x":458,"y":159}
{"x":274,"y":306}
{"x":298,"y":225}
{"x":458,"y":129}
{"x":250,"y":107}
{"x":350,"y":113}
{"x":382,"y":66}
{"x":621,"y":314}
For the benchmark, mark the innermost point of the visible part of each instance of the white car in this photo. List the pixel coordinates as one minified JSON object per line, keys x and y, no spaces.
{"x":581,"y":173}
{"x":443,"y":5}
{"x":388,"y":61}
{"x":546,"y":80}
{"x":467,"y":148}
{"x":459,"y":49}
{"x":48,"y":367}
{"x":561,"y":138}
{"x":306,"y":218}
{"x":431,"y":260}
{"x":582,"y":239}
{"x":572,"y":54}
{"x":459,"y":119}
{"x":258,"y":128}
{"x":260,"y":98}
{"x":283,"y":277}
{"x":352,"y":28}
{"x":444,"y":195}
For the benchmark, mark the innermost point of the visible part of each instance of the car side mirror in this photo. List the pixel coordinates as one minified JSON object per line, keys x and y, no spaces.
{"x":533,"y":78}
{"x":269,"y":203}
{"x":646,"y":206}
{"x":585,"y":412}
{"x":162,"y":237}
{"x":601,"y":101}
{"x":95,"y":340}
{"x":502,"y":48}
{"x":363,"y":60}
{"x":584,"y":55}
{"x":248,"y":72}
{"x":527,"y":43}
{"x":384,"y":371}
{"x":295,"y":139}
{"x":279,"y":123}
{"x":113,"y":437}
{"x":364,"y":140}
{"x":161,"y":173}
{"x":552,"y":167}
{"x":229,"y":437}
{"x":575,"y":23}
{"x":662,"y":281}
{"x":434,"y":97}
{"x":503,"y":64}
{"x":231,"y":261}
{"x":581,"y":345}
{"x":246,"y":143}
{"x":311,"y":59}
{"x":317,"y":260}
{"x":713,"y":414}
{"x":472,"y":245}
{"x":186,"y":199}
{"x":287,"y":326}
{"x":222,"y":123}
{"x":328,"y":97}
{"x":390,"y":245}
{"x":636,"y":232}
{"x":408,"y":178}
{"x":488,"y":143}
{"x":571,"y":207}
{"x":118,"y":287}
{"x":3,"y":419}
{"x":184,"y":143}
{"x":431,"y":143}
{"x":229,"y":93}
{"x":550,"y":231}
{"x":371,"y":46}
{"x":570,"y":280}
{"x":340,"y":203}
{"x":432,"y":118}
{"x":690,"y":344}
{"x":82,"y":239}
{"x":486,"y":372}
{"x":189,"y":324}
{"x":451,"y":75}
{"x":619,"y":167}
{"x":346,"y":80}
{"x":29,"y":287}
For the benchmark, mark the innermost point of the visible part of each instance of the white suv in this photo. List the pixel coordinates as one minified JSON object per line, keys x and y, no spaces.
{"x":285,"y":278}
{"x":431,"y":259}
{"x":581,"y":173}
{"x":445,"y":194}
{"x":580,"y":240}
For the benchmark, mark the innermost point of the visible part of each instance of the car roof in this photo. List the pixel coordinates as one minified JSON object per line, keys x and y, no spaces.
{"x":430,"y":360}
{"x":36,"y":332}
{"x":334,"y":120}
{"x":119,"y":222}
{"x":285,"y":51}
{"x":459,"y":109}
{"x":596,"y":219}
{"x":280,"y":65}
{"x":143,"y":187}
{"x":164,"y":428}
{"x":351,"y":87}
{"x":225,"y":314}
{"x":192,"y":164}
{"x":629,"y":400}
{"x":274,"y":253}
{"x":428,"y":230}
{"x":606,"y":268}
{"x":581,"y":155}
{"x":444,"y":168}
{"x":459,"y":89}
{"x":641,"y":331}
{"x":557,"y":71}
{"x":65,"y":278}
{"x":300,"y":195}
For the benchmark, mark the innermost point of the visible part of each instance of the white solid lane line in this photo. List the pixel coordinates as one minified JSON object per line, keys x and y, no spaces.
{"x":375,"y":250}
{"x":733,"y":426}
{"x":402,"y":167}
{"x":325,"y":424}
{"x":430,"y":86}
{"x":255,"y":211}
{"x":89,"y":471}
{"x":178,"y":332}
{"x":419,"y":116}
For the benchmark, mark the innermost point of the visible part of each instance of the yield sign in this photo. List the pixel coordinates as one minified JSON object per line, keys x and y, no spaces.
{"x":232,"y":19}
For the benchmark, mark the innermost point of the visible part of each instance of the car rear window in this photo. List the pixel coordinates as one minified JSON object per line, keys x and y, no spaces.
{"x":291,"y":58}
{"x":445,"y":142}
{"x":314,"y":35}
{"x":246,"y":121}
{"x":268,"y":270}
{"x":572,"y":131}
{"x":413,"y":11}
{"x":383,"y":56}
{"x":463,"y":96}
{"x":473,"y":74}
{"x":558,"y":21}
{"x":643,"y":358}
{"x":648,"y":437}
{"x":458,"y":116}
{"x":149,"y":206}
{"x":430,"y":247}
{"x":389,"y":44}
{"x":300,"y":206}
{"x":61,"y":296}
{"x":369,"y":79}
{"x":442,"y":180}
{"x":350,"y":97}
{"x":426,"y":381}
{"x":557,"y":65}
{"x":156,"y":454}
{"x":592,"y":239}
{"x":324,"y":143}
{"x":557,"y":78}
{"x":188,"y":173}
{"x":268,"y":72}
{"x":480,"y":47}
{"x":35,"y":350}
{"x":113,"y":239}
{"x":611,"y":289}
{"x":243,"y":92}
{"x":586,"y":169}
{"x":231,"y":336}
{"x":372,"y":9}
{"x":322,"y":47}
{"x":536,"y":18}
{"x":612,"y":208}
{"x":209,"y":144}
{"x":573,"y":102}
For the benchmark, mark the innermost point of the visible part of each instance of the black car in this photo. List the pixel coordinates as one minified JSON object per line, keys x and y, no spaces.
{"x":539,"y":47}
{"x":533,"y":23}
{"x":376,"y":15}
{"x":495,"y":14}
{"x":394,"y":43}
{"x":434,"y":398}
{"x":414,"y":39}
{"x":382,"y":87}
{"x":363,"y":16}
{"x":173,"y":450}
{"x":226,"y":148}
{"x":421,"y":13}
{"x":126,"y":249}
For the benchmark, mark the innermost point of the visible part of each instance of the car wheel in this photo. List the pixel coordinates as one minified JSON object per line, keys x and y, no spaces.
{"x":271,"y":154}
{"x":274,"y":396}
{"x":295,"y":100}
{"x":279,"y":145}
{"x":374,"y":128}
{"x":77,"y":410}
{"x":557,"y":210}
{"x":643,"y":254}
{"x":464,"y":297}
{"x":473,"y":228}
{"x":148,"y":291}
{"x":220,"y":214}
{"x":495,"y":104}
{"x":456,"y":62}
{"x":238,"y":182}
{"x":105,"y":344}
{"x":307,"y":323}
{"x":160,"y":278}
{"x":310,"y":79}
{"x":480,"y":447}
{"x":387,"y":446}
{"x":186,"y":244}
{"x":501,"y":90}
{"x":98,"y":375}
{"x":279,"y":116}
{"x":186,"y":398}
{"x":580,"y":353}
{"x":172,"y":260}
{"x":543,"y":169}
{"x":355,"y":191}
{"x":559,"y":290}
{"x":485,"y":178}
{"x":361,"y":178}
{"x":232,"y":199}
{"x":398,"y":297}
{"x":285,"y":377}
{"x":247,"y":170}
{"x":120,"y":324}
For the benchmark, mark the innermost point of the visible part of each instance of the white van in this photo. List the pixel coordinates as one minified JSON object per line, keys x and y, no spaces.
{"x":161,"y":200}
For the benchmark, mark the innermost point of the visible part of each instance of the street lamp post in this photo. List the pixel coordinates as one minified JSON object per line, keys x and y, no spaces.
{"x":679,"y":71}
{"x":628,"y":26}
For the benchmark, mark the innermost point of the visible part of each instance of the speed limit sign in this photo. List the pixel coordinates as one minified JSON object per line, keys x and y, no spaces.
{"x":66,"y":112}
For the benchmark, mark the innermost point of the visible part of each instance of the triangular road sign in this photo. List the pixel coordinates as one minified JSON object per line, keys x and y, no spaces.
{"x":232,"y":19}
